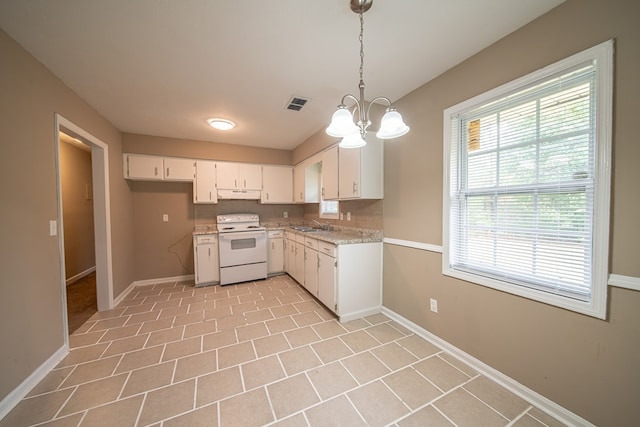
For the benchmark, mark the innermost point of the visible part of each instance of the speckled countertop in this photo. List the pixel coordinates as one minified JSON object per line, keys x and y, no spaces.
{"x":336,"y":235}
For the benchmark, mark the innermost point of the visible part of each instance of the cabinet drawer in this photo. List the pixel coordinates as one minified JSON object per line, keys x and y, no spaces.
{"x":327,"y":248}
{"x":275,"y":234}
{"x":206,"y":238}
{"x":311,"y":243}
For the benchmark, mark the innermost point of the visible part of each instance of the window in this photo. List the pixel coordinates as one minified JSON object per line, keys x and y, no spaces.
{"x":527,"y":183}
{"x":329,"y":209}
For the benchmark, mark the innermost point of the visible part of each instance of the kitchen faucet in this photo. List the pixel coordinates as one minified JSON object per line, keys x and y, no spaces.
{"x":322,"y":226}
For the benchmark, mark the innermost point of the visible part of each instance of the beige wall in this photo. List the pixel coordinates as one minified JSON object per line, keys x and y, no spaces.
{"x":146,"y":144}
{"x":165,"y":249}
{"x":31,"y":309}
{"x":75,"y":177}
{"x":587,"y":365}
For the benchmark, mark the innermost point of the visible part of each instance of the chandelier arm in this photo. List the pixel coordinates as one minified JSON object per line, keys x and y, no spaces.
{"x":379,"y":98}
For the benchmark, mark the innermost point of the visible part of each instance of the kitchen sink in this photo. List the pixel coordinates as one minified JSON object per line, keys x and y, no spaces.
{"x":304,"y":229}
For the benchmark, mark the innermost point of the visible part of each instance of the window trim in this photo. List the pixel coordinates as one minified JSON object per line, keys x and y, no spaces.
{"x":597,"y":306}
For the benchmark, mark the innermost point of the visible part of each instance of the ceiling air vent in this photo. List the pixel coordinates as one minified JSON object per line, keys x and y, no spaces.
{"x":296,"y":103}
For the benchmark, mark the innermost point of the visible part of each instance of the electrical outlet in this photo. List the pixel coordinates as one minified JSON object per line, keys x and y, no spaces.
{"x":348,"y":216}
{"x":434,"y":305}
{"x":286,"y":214}
{"x":341,"y":216}
{"x":165,"y":218}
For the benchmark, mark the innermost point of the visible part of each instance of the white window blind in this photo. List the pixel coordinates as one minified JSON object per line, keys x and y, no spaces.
{"x":521,"y":168}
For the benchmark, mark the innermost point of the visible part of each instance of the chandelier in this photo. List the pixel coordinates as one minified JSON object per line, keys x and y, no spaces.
{"x":342,"y":122}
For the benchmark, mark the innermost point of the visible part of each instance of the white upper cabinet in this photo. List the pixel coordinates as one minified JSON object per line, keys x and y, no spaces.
{"x":204,"y":187}
{"x":143,"y":167}
{"x":330,"y":174}
{"x":306,"y":181}
{"x":277,"y":184}
{"x":361,"y":171}
{"x":179,"y":169}
{"x":239,"y":176}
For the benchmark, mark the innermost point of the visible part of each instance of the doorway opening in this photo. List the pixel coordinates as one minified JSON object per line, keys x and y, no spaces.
{"x":99,"y":195}
{"x":76,"y":187}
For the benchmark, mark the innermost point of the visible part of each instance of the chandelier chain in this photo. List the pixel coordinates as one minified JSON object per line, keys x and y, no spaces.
{"x":361,"y":46}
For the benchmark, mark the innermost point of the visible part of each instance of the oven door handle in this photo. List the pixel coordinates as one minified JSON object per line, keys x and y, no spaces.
{"x":243,"y":235}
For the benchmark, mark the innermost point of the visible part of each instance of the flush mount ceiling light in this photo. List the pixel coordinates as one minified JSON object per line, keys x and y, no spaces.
{"x":342,"y":124}
{"x":221,"y":124}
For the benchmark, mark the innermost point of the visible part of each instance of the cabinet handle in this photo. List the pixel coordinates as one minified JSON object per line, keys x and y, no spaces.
{"x":355,"y":188}
{"x":209,"y":252}
{"x":273,"y":246}
{"x":209,"y":195}
{"x":235,"y":183}
{"x":322,"y":191}
{"x":267,"y":196}
{"x":155,"y":171}
{"x":167,"y":171}
{"x":245,"y":183}
{"x":301,"y":197}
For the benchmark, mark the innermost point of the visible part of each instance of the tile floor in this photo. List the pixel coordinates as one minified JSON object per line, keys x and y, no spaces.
{"x":253,"y":354}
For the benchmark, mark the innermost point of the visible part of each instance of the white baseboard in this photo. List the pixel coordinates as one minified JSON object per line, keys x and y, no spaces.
{"x":13,"y":398}
{"x":145,"y":282}
{"x":80,"y":275}
{"x":551,"y":408}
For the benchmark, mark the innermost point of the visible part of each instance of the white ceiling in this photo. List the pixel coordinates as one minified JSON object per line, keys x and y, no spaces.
{"x":162,"y":67}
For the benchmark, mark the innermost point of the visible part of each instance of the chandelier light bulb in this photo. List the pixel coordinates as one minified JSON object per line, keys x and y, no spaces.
{"x":342,"y":123}
{"x":392,"y":125}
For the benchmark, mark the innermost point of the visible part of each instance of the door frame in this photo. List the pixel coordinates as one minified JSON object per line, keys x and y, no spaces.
{"x":102,"y":216}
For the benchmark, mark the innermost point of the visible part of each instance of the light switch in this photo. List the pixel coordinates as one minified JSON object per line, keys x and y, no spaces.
{"x":53,"y":227}
{"x":165,"y":217}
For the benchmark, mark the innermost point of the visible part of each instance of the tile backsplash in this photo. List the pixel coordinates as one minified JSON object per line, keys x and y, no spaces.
{"x":364,"y":213}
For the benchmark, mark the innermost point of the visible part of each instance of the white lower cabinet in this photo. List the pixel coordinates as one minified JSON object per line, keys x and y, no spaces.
{"x":299,"y":259}
{"x":346,"y":278}
{"x":276,"y":252}
{"x":206,"y":262}
{"x":327,"y":272}
{"x":311,"y":265}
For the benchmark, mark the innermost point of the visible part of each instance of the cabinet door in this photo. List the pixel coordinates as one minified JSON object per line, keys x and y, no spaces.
{"x":330,"y":174}
{"x":291,"y":249}
{"x":179,"y":169}
{"x":276,"y":256}
{"x":249,"y":177}
{"x":327,"y":281}
{"x":311,"y":270}
{"x":204,"y":186}
{"x":227,"y":175}
{"x":143,"y":167}
{"x":299,"y":271}
{"x":285,"y":253}
{"x":277,"y":184}
{"x":298,"y":184}
{"x":206,"y":263}
{"x":349,"y":173}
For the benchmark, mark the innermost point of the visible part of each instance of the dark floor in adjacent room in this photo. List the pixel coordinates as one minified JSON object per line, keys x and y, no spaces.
{"x":82,"y":302}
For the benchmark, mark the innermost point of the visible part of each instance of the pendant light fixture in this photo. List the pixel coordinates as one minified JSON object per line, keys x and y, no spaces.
{"x":342,"y":122}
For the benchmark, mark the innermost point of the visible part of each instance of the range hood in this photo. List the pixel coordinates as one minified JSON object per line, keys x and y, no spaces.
{"x":239,"y":194}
